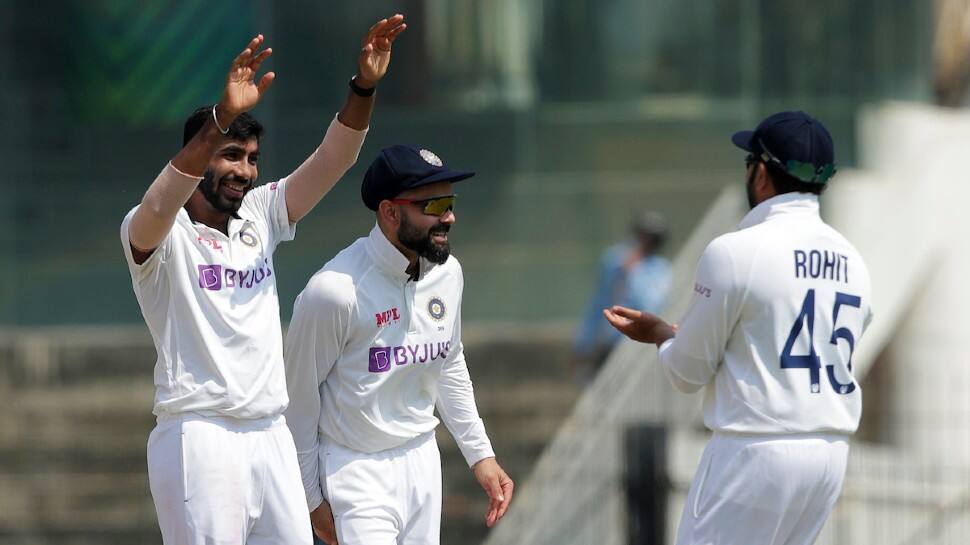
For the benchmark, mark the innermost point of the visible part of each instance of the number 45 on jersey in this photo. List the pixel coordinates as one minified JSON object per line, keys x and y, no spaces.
{"x":811,"y":361}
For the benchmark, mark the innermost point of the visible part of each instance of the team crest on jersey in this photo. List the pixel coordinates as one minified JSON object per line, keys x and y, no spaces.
{"x":248,"y":237}
{"x":436,"y":308}
{"x":430,"y":158}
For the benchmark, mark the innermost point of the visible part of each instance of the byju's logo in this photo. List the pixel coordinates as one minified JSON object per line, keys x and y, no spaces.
{"x":381,"y":357}
{"x":210,"y":277}
{"x":215,"y":277}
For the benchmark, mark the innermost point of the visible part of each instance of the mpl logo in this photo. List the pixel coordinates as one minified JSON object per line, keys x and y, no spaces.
{"x":210,"y":277}
{"x":388,"y":316}
{"x":381,"y":357}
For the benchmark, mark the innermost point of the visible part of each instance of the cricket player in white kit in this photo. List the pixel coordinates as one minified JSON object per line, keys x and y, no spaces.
{"x":222,"y":465}
{"x":778,"y":309}
{"x":373,"y":347}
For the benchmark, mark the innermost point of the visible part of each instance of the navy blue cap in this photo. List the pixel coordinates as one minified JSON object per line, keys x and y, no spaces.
{"x":402,"y":167}
{"x":794,"y":139}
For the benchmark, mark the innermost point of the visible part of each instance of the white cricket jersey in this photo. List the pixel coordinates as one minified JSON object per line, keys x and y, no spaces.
{"x":210,"y":303}
{"x":778,"y":308}
{"x":210,"y":300}
{"x":369,"y":353}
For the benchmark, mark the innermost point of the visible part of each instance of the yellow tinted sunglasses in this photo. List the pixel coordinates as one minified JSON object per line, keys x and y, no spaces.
{"x":435,"y":206}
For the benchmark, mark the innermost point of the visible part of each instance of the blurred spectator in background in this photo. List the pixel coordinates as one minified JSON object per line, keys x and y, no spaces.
{"x":630,"y":272}
{"x":951,"y":52}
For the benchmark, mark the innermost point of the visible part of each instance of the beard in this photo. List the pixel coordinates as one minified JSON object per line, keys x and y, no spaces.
{"x":749,"y":189}
{"x":420,"y":242}
{"x":210,"y":190}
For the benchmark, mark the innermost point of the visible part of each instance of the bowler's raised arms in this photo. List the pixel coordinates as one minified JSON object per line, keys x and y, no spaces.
{"x":174,"y":185}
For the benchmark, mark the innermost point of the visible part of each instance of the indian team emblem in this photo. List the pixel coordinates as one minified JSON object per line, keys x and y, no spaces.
{"x":430,"y":158}
{"x":248,"y":237}
{"x":436,"y":308}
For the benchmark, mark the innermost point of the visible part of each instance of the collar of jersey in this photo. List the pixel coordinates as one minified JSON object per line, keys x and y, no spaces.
{"x":236,"y":223}
{"x":785,"y":204}
{"x":389,"y":258}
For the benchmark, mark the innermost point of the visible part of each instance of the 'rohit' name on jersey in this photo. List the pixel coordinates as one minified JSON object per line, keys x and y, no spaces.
{"x":381,"y":357}
{"x":216,"y":277}
{"x":821,"y":264}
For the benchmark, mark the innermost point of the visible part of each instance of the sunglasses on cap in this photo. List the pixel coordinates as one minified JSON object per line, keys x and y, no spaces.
{"x":435,"y":206}
{"x":805,"y":172}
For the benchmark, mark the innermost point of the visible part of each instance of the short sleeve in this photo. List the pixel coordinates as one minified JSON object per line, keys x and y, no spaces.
{"x":149,"y":270}
{"x":268,"y":203}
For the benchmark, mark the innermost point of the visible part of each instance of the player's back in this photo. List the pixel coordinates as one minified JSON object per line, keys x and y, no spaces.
{"x":802,"y":304}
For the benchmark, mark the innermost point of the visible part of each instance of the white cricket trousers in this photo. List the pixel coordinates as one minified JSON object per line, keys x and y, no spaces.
{"x":226,"y":481}
{"x":764,"y":490}
{"x":391,"y":497}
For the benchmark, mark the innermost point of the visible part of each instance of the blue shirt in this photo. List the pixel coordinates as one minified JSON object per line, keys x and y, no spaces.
{"x":644,"y":287}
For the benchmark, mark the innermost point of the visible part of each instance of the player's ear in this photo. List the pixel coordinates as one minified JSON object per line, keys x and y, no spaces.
{"x":762,"y":179}
{"x":389,"y":212}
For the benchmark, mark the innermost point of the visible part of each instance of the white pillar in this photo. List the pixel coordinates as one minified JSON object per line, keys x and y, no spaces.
{"x":907,"y":215}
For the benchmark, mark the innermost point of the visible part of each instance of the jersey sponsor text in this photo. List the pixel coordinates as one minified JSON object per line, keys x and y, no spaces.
{"x":388,"y":316}
{"x":381,"y":357}
{"x":216,"y":277}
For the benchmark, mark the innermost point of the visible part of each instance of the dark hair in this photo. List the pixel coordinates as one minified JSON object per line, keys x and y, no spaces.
{"x":652,"y":226}
{"x":242,"y":128}
{"x":786,"y":183}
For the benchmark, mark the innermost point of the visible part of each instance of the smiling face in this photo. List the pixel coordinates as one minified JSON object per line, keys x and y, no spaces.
{"x":230,"y":175}
{"x":425,"y":235}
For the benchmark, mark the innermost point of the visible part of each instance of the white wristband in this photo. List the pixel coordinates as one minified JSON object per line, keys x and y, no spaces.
{"x":183,"y":173}
{"x":216,"y":120}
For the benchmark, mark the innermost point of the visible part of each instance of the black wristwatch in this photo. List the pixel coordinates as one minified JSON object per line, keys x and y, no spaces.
{"x":360,"y":91}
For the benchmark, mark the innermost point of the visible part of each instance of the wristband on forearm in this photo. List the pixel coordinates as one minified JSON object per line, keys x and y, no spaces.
{"x":360,"y":91}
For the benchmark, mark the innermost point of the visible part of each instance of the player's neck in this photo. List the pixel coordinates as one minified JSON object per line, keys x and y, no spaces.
{"x":200,"y":210}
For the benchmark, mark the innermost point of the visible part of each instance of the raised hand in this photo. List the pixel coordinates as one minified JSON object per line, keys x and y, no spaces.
{"x":638,"y":325}
{"x":375,"y":52}
{"x":497,"y":485}
{"x":242,"y":92}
